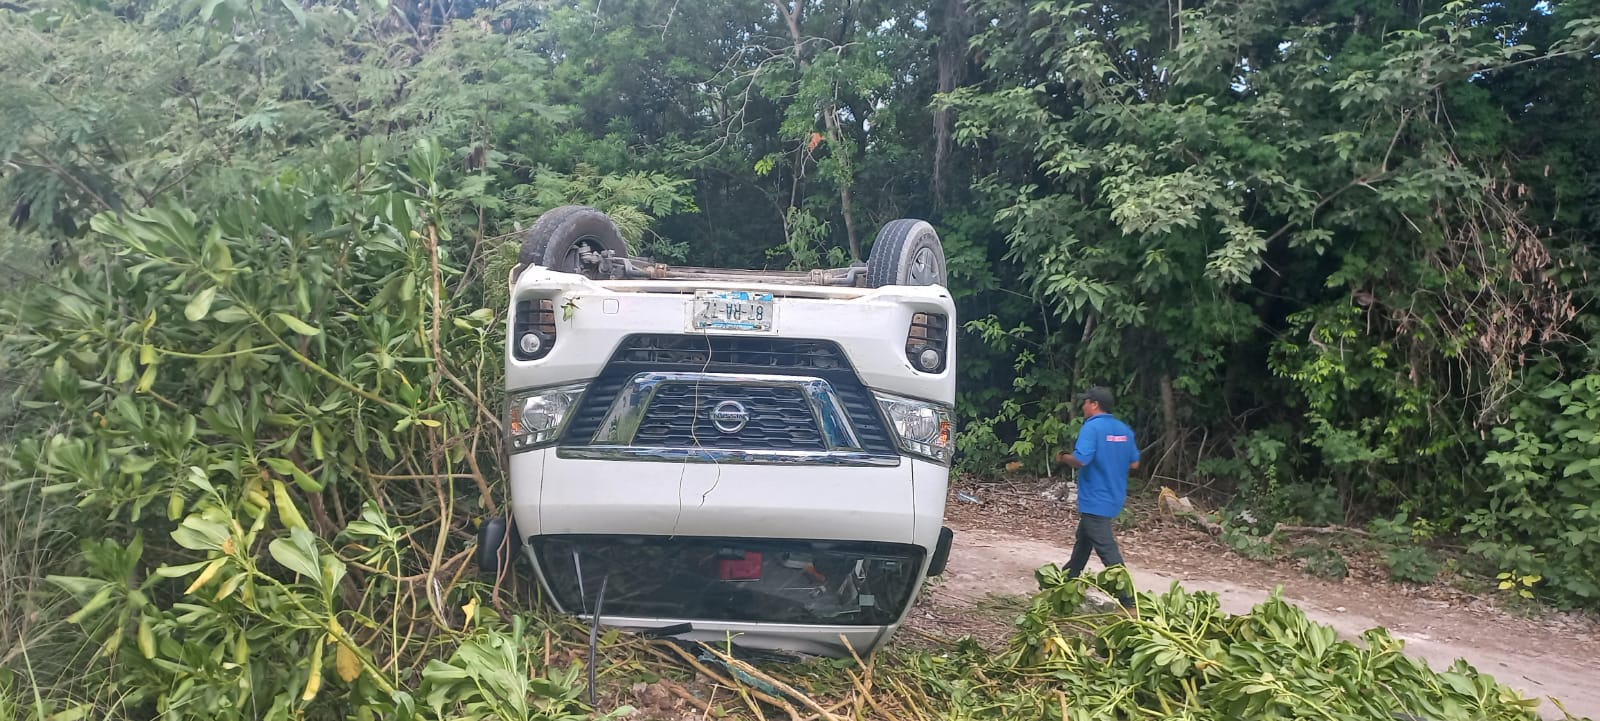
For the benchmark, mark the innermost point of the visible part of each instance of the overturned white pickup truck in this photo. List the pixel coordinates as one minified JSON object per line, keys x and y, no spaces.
{"x":717,"y":453}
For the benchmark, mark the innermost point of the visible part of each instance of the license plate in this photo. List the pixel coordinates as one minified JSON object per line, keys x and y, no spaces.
{"x":732,"y":310}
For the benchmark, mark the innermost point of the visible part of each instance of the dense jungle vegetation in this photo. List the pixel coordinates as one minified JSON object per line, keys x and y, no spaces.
{"x":1334,"y":256}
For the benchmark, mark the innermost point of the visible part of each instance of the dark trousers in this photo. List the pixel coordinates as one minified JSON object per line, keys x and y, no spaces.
{"x":1094,"y":534}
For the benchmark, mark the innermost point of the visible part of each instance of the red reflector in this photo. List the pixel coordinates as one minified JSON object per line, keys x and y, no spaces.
{"x":740,"y":569}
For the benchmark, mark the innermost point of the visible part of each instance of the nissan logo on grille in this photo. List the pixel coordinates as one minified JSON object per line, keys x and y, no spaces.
{"x":729,"y":416}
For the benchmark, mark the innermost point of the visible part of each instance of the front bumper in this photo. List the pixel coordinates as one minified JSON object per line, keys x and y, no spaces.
{"x":596,"y":316}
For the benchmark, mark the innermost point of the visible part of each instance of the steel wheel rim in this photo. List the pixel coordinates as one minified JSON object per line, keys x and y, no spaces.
{"x":923,"y":269}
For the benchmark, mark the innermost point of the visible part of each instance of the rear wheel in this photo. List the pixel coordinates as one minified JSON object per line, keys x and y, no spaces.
{"x":559,"y":236}
{"x":906,"y":252}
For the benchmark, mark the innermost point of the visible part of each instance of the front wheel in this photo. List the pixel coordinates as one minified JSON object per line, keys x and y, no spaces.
{"x":906,"y":252}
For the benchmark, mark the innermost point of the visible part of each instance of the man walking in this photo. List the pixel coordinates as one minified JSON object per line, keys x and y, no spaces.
{"x":1103,"y":454}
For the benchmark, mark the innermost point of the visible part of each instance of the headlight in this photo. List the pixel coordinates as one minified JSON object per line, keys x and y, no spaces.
{"x":922,"y":428}
{"x":538,"y":417}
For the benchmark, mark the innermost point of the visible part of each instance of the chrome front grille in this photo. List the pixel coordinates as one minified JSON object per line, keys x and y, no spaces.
{"x":794,"y":360}
{"x":799,"y":400}
{"x":680,"y":415}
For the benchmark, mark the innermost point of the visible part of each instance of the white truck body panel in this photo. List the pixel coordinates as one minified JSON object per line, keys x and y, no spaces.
{"x":556,"y":494}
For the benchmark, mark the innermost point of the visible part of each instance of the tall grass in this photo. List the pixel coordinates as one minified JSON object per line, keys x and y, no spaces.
{"x":43,"y":658}
{"x":24,"y":621}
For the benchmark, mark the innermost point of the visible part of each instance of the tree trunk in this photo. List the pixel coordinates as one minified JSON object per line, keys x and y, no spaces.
{"x":837,"y":136}
{"x":952,"y":51}
{"x":1169,"y":422}
{"x":830,"y":120}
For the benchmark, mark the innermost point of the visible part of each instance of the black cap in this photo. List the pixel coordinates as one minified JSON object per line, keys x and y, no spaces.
{"x":1098,"y":394}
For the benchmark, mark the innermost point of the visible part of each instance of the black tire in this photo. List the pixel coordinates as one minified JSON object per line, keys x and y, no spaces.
{"x":497,"y":546}
{"x":941,"y":552}
{"x":906,"y":252}
{"x":557,"y":236}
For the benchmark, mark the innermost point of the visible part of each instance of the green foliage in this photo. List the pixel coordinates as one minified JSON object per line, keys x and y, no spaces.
{"x":1248,"y":544}
{"x":1322,"y":561}
{"x":260,"y":386}
{"x":802,"y":138}
{"x":494,"y":675}
{"x":1181,"y":657}
{"x":1542,"y":515}
{"x":228,"y":398}
{"x":1034,"y":412}
{"x":1286,"y":219}
{"x":1411,"y":564}
{"x":1522,"y":584}
{"x":806,"y":237}
{"x":32,"y":613}
{"x":1262,"y":468}
{"x":1402,"y":542}
{"x":105,"y":113}
{"x":1400,"y":530}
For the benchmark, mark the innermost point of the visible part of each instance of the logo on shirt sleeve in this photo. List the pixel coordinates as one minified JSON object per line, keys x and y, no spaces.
{"x":1116,"y":439}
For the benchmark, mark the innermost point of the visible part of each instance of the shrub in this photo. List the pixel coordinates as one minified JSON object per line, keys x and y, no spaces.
{"x":271,"y":424}
{"x":1542,"y":516}
{"x":1180,"y":656}
{"x":1322,"y":561}
{"x":1412,"y":564}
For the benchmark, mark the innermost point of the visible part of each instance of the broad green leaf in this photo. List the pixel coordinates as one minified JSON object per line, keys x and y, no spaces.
{"x":146,"y":638}
{"x":125,"y":368}
{"x":333,"y":571}
{"x":229,"y":586}
{"x":232,"y":314}
{"x":223,"y":260}
{"x":297,"y":325}
{"x":297,"y":553}
{"x":288,"y":514}
{"x":1458,"y":683}
{"x":197,"y":478}
{"x":95,"y":603}
{"x":77,"y":585}
{"x":180,"y":571}
{"x":76,"y":712}
{"x":294,"y":9}
{"x":306,"y":482}
{"x":200,"y":305}
{"x":200,"y":534}
{"x":147,"y":380}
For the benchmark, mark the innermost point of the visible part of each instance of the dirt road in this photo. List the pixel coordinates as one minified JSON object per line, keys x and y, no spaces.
{"x":1546,"y":658}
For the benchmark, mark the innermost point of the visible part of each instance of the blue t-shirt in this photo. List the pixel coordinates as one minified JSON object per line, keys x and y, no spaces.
{"x":1106,"y":448}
